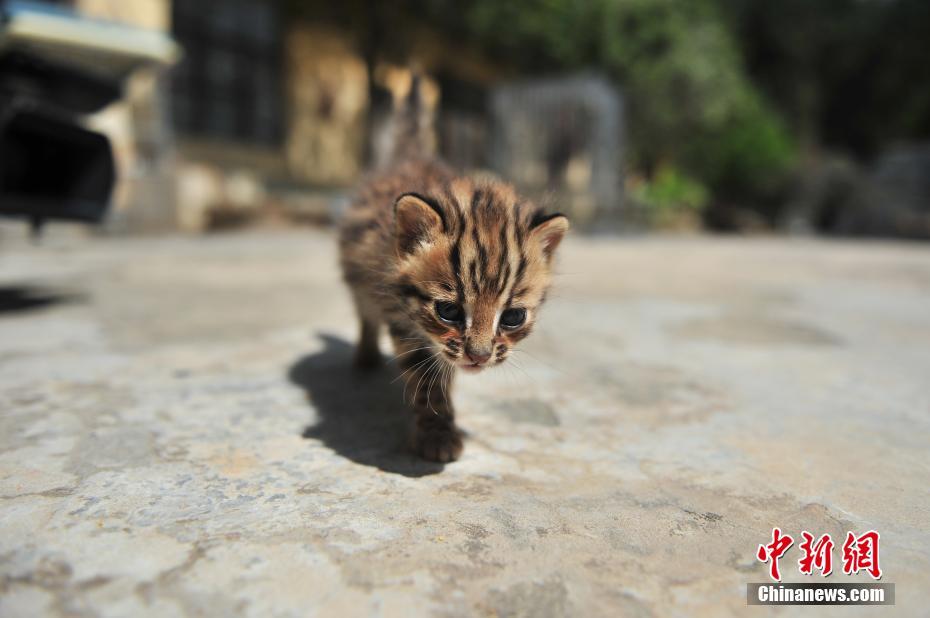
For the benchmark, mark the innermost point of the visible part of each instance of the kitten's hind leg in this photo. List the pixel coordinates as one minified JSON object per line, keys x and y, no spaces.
{"x":367,"y":354}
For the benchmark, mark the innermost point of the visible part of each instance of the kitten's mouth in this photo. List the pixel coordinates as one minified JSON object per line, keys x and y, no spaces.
{"x":472,"y":367}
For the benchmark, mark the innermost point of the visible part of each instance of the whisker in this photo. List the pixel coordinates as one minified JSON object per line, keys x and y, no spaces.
{"x":407,"y":383}
{"x":553,"y":367}
{"x":414,"y":367}
{"x":446,"y":378}
{"x":429,"y":389}
{"x":396,"y":356}
{"x":520,"y":367}
{"x":416,"y":389}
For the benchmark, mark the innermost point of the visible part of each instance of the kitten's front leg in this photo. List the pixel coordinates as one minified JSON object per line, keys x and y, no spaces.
{"x":428,"y":386}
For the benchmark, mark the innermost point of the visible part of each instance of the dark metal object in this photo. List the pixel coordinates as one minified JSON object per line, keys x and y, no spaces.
{"x":50,"y":168}
{"x":56,"y":66}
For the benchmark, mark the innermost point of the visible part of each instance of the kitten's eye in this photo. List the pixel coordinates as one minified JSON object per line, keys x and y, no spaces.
{"x":513,"y":318}
{"x":450,"y":312}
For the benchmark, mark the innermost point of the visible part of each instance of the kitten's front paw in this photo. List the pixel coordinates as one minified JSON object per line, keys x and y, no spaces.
{"x":439,"y":444}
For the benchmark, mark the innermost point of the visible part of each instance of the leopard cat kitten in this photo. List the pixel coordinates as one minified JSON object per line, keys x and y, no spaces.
{"x":455,"y":268}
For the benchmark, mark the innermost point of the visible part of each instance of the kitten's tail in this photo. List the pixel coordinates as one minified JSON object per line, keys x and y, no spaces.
{"x":412,"y":133}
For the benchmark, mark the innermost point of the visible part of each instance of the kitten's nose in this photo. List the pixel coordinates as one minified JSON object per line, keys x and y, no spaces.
{"x":479,"y":357}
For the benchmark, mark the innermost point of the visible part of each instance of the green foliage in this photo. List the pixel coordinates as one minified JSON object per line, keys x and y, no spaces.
{"x":678,"y":69}
{"x":670,"y":190}
{"x":749,"y":155}
{"x":846,"y":74}
{"x":689,"y":99}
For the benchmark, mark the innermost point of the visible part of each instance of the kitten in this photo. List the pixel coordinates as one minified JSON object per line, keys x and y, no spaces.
{"x":456,"y":268}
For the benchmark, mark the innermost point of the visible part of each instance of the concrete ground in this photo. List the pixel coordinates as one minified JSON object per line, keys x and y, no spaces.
{"x":180,"y":433}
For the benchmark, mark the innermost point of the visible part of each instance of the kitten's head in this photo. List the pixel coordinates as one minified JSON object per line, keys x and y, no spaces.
{"x":474,"y":266}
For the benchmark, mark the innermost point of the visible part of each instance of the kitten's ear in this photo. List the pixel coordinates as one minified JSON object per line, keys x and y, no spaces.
{"x":549,"y":231}
{"x":416,"y":219}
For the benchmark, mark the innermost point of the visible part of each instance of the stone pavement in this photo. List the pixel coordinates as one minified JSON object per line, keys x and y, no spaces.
{"x":180,"y":433}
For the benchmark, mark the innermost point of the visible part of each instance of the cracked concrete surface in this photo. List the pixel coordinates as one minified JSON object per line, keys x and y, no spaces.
{"x":180,"y":433}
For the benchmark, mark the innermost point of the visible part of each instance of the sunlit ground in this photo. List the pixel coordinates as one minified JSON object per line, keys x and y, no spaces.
{"x":178,"y":416}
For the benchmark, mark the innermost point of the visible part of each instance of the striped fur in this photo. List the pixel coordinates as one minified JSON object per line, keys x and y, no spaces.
{"x":418,"y":235}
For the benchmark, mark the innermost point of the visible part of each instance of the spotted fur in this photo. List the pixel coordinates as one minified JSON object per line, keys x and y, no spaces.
{"x":419,"y":237}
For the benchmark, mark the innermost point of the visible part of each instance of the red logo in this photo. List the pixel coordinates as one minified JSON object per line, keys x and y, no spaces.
{"x":819,"y":554}
{"x":860,"y":553}
{"x":774,"y":551}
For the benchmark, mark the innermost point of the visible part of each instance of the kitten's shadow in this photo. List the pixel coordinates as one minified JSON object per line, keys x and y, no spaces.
{"x":360,"y":415}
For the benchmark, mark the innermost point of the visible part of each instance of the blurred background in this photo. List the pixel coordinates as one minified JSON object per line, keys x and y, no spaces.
{"x":729,"y":115}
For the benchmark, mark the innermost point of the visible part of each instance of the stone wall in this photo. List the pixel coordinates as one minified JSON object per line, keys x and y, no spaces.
{"x":139,"y":128}
{"x":326,"y":101}
{"x":151,"y":14}
{"x":327,"y":95}
{"x":174,"y":182}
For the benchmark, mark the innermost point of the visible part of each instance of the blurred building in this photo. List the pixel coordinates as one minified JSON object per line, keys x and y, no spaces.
{"x":270,"y":116}
{"x":258,"y":115}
